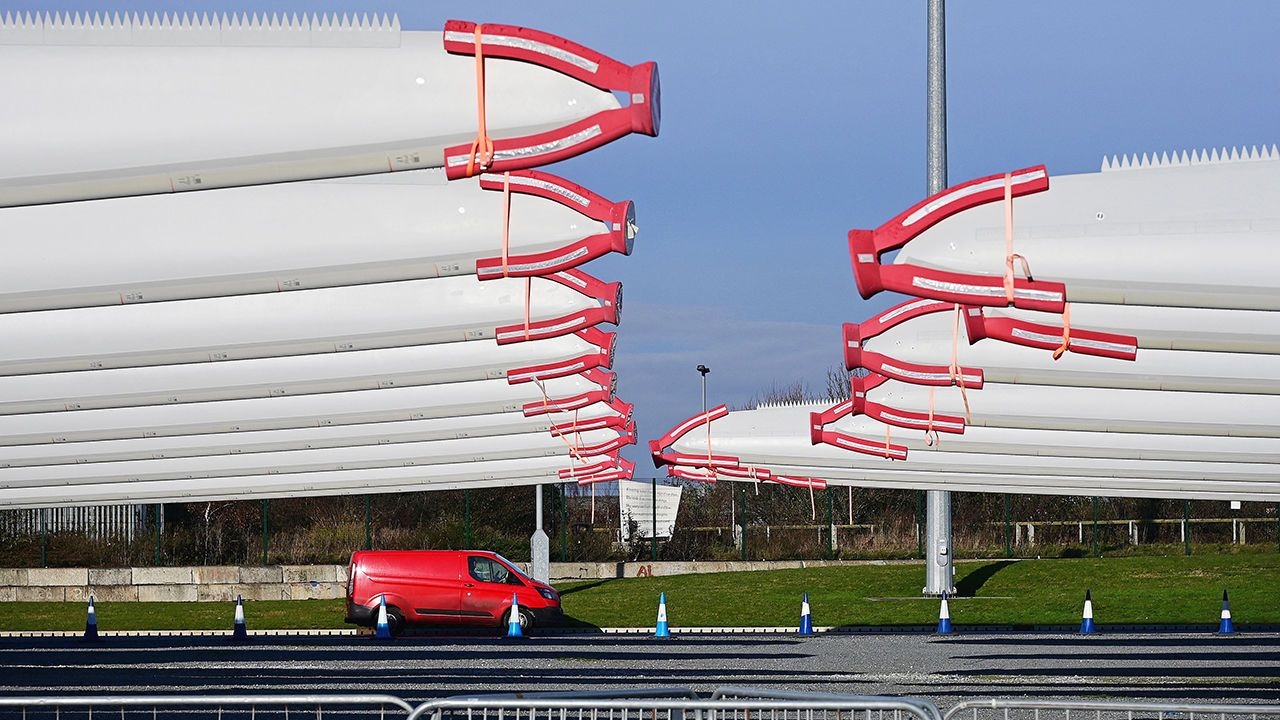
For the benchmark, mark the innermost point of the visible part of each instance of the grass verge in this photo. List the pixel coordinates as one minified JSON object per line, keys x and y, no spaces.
{"x":1131,"y":590}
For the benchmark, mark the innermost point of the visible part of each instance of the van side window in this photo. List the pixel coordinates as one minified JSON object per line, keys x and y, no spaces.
{"x":486,"y":570}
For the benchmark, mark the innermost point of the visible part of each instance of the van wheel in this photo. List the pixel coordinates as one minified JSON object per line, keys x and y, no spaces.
{"x":395,"y":621}
{"x":526,"y":620}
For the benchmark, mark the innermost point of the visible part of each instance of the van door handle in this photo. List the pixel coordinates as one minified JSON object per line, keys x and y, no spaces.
{"x":468,"y":584}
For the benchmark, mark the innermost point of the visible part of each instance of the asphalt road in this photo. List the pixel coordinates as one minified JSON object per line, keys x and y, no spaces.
{"x":944,"y":669}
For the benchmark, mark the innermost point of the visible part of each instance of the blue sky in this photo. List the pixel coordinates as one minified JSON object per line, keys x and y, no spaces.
{"x":787,"y":124}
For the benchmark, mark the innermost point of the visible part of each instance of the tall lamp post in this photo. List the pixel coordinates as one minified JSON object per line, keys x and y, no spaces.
{"x":703,"y":370}
{"x":939,"y":569}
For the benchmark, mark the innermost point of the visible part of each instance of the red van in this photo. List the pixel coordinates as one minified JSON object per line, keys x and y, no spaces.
{"x":456,"y":587}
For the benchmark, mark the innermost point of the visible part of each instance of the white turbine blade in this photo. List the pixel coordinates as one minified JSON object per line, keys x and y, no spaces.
{"x":797,"y":450}
{"x":298,"y":375}
{"x":1196,"y":236}
{"x":98,"y":112}
{"x":1076,"y":443}
{"x":496,"y":473}
{"x":895,"y":478}
{"x":447,"y":400}
{"x":351,"y":457}
{"x":928,"y":339}
{"x":361,"y":317}
{"x":1096,"y":409}
{"x":765,"y":442}
{"x":294,"y":236}
{"x":1174,"y":328}
{"x":326,"y":436}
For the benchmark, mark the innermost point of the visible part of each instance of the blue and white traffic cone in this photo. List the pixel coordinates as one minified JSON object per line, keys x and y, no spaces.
{"x":91,"y":622}
{"x":944,"y":617}
{"x":1225,"y":626}
{"x":806,"y":620}
{"x":513,"y":619}
{"x":661,"y":629}
{"x":1086,"y":623}
{"x":384,"y":628}
{"x":240,"y":632}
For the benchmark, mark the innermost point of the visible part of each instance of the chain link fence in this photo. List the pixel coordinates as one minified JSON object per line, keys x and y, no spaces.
{"x":725,"y":521}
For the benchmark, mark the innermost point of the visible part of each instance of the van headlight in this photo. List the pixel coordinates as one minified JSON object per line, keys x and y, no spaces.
{"x":548,"y":594}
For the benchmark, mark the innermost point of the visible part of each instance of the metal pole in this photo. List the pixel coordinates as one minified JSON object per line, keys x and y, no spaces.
{"x":1095,"y":527}
{"x":266,"y":514}
{"x":939,"y":570}
{"x":936,"y":98}
{"x":920,"y":525}
{"x":1186,"y":527}
{"x":742,"y":518}
{"x":159,"y":515}
{"x":539,"y":543}
{"x":368,"y":523}
{"x":831,"y":523}
{"x":466,"y":517}
{"x":1008,"y":526}
{"x":44,"y":537}
{"x":653,"y":539}
{"x":564,"y":525}
{"x":703,"y":370}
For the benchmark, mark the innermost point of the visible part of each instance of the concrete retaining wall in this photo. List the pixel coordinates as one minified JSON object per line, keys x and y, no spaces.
{"x":173,"y":584}
{"x":291,"y":582}
{"x":600,"y":571}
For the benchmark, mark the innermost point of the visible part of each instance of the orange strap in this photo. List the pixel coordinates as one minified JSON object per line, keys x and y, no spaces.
{"x":711,"y":468}
{"x":1066,"y":332}
{"x":506,"y":222}
{"x":1009,"y":254}
{"x":482,"y":146}
{"x":506,"y":249}
{"x":930,"y":435}
{"x":528,"y":298}
{"x":575,"y":447}
{"x":957,"y":378}
{"x":888,"y":444}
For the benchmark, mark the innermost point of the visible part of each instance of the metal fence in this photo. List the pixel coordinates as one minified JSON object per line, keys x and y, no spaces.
{"x":678,"y":704}
{"x":98,"y":522}
{"x":730,"y":703}
{"x":222,"y":707}
{"x":1001,"y":709}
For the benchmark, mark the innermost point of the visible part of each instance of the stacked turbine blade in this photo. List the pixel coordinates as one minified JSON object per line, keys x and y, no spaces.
{"x":183,"y":104}
{"x":1140,"y":359}
{"x":416,"y":330}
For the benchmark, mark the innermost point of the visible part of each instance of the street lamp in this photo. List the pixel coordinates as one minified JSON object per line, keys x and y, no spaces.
{"x":703,"y":370}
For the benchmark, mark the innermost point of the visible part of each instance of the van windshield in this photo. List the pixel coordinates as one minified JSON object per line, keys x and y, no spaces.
{"x":514,"y":567}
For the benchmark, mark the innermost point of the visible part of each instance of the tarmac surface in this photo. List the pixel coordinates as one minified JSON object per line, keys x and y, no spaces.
{"x":946,"y":669}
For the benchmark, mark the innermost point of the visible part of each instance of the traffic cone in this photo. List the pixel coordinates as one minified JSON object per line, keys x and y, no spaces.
{"x":384,"y":629}
{"x":91,"y":623}
{"x":1225,"y":626}
{"x":661,"y":629}
{"x":513,"y":619}
{"x":806,"y":620}
{"x":944,"y":617}
{"x":1086,"y":623}
{"x":240,"y":632}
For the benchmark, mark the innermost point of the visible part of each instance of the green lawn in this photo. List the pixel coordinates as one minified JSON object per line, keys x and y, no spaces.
{"x":1143,"y":590}
{"x":1158,"y":590}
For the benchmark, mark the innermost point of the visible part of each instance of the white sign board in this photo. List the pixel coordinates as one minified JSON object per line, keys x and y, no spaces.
{"x":636,"y":503}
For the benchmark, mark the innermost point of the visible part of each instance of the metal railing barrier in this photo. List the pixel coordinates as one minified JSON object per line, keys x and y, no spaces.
{"x":676,"y":704}
{"x":221,"y":707}
{"x":1011,"y":709}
